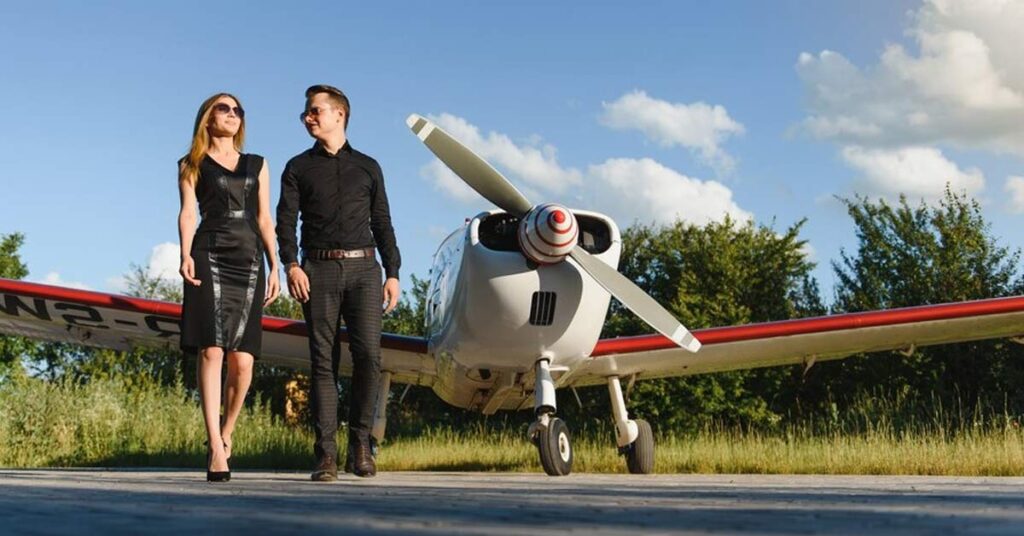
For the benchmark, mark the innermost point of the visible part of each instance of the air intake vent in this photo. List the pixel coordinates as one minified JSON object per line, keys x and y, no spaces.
{"x":542,"y":309}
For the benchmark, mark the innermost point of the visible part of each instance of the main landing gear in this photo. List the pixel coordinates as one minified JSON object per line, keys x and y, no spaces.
{"x":634,"y":437}
{"x":554,"y":443}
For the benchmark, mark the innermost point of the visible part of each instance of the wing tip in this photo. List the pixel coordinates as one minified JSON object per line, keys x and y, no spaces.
{"x":412,"y":120}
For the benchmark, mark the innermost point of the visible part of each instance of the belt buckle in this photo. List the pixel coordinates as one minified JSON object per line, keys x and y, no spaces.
{"x":335,"y":254}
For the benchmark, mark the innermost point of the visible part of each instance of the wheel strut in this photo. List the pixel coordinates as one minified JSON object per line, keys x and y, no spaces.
{"x":634,"y":437}
{"x":549,"y":433}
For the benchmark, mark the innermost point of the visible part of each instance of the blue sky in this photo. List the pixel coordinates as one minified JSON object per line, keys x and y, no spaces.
{"x":663,"y":110}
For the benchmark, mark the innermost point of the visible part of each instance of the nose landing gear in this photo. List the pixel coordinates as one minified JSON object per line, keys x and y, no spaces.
{"x":549,"y":433}
{"x":551,"y":436}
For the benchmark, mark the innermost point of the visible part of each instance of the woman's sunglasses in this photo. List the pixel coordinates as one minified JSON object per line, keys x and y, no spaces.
{"x":222,"y":108}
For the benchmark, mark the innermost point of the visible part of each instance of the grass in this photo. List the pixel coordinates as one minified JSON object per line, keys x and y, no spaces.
{"x":105,"y":424}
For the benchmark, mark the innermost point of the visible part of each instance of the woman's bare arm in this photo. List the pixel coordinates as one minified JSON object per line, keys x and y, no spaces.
{"x":266,"y":225}
{"x":187,"y":227}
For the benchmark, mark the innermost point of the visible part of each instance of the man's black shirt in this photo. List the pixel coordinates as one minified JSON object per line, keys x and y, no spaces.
{"x":342,"y":202}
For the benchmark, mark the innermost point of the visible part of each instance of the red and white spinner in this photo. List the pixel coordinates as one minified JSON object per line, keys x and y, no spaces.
{"x":547,"y":233}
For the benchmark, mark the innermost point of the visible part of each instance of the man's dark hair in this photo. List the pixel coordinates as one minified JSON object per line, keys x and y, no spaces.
{"x":335,"y":95}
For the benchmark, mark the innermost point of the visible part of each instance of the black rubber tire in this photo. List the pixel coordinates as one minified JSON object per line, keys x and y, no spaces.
{"x":555,"y":447}
{"x":640,"y":453}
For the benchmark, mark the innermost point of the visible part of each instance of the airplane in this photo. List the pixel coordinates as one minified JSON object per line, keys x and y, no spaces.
{"x":515,"y":304}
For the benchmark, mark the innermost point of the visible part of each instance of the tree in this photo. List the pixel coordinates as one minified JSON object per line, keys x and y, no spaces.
{"x":408,"y":318}
{"x":926,"y":255}
{"x":141,"y":366}
{"x":11,"y":266}
{"x":12,"y":349}
{"x":921,"y":255}
{"x":420,"y":407}
{"x":140,"y":284}
{"x":269,"y":382}
{"x":721,"y":274}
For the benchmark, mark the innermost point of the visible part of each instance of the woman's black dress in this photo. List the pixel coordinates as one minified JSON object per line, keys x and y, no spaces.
{"x":226,"y":309}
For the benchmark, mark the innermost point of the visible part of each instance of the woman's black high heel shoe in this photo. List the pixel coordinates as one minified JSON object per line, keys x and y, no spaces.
{"x":215,"y":476}
{"x":218,"y":476}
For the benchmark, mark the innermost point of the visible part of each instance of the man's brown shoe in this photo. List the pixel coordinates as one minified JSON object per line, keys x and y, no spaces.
{"x":326,"y":470}
{"x":362,"y":459}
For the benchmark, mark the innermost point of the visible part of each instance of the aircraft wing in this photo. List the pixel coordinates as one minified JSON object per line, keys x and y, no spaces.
{"x":803,"y":341}
{"x":60,"y":314}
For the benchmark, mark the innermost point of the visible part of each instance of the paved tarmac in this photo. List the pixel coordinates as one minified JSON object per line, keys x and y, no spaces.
{"x":161,"y":501}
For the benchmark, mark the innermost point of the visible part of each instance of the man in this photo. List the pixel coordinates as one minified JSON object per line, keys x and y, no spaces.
{"x":340,"y":195}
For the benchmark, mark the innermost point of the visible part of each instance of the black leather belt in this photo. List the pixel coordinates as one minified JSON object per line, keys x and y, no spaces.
{"x":334,"y":254}
{"x":230,"y":214}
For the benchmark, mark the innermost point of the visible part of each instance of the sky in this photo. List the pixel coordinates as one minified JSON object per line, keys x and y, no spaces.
{"x":663,"y":111}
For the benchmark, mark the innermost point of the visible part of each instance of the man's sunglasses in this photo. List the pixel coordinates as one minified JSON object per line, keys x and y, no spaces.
{"x":314,"y":111}
{"x":222,"y":108}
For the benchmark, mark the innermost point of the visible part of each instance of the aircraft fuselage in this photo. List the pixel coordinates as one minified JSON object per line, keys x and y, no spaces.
{"x":491,"y":314}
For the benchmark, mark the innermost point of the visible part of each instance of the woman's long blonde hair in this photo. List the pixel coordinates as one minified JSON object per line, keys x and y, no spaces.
{"x":201,"y":138}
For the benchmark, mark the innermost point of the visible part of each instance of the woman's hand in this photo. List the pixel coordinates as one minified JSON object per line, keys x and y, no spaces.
{"x":273,"y":288}
{"x":188,"y":270}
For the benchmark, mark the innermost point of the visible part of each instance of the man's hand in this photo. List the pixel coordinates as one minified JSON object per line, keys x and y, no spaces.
{"x":298,"y":283}
{"x":391,"y":294}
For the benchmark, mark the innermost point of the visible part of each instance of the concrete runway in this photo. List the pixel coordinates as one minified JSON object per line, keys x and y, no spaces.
{"x":179,"y":502}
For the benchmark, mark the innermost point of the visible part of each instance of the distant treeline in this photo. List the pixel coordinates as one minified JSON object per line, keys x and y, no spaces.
{"x":720,"y":274}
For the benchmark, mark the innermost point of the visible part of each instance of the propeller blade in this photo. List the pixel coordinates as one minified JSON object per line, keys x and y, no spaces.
{"x":634,"y":298}
{"x":477,"y":173}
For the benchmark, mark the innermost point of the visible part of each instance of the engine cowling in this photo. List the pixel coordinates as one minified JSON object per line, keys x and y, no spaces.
{"x":547,"y":233}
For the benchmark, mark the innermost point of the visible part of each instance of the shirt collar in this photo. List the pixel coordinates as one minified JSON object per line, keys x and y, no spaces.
{"x":319,"y":149}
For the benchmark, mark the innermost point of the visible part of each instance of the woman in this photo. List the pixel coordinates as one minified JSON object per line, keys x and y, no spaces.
{"x":222,"y":264}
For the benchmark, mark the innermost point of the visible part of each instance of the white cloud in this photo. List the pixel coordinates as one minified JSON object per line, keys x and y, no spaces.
{"x":810,"y":252}
{"x":954,"y":68}
{"x":164,"y":262}
{"x":448,"y":182}
{"x":626,"y":189}
{"x":117,"y":284}
{"x":917,"y":172}
{"x":630,"y":189}
{"x":1015,"y":189}
{"x":962,"y":84}
{"x":54,"y":278}
{"x":699,"y":127}
{"x":533,"y":162}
